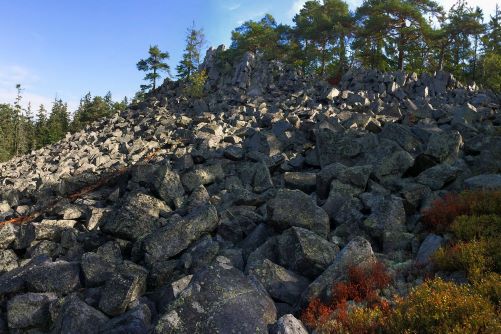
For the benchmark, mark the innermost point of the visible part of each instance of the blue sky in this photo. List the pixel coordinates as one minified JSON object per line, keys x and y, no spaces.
{"x":66,"y":48}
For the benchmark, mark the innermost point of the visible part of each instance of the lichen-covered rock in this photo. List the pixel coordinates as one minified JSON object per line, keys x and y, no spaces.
{"x":7,"y":235}
{"x":179,"y":233}
{"x":295,"y":208}
{"x":358,"y":252}
{"x":8,"y":260}
{"x":29,"y":310}
{"x":288,"y":324}
{"x":72,"y":315}
{"x":136,"y":216}
{"x":60,"y":276}
{"x":219,"y":299}
{"x":305,"y":252}
{"x":281,"y":284}
{"x":123,"y":287}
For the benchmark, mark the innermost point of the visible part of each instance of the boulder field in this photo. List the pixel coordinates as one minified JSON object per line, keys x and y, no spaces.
{"x":228,"y":213}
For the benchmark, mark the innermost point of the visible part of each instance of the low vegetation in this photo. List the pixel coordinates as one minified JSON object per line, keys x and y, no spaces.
{"x":473,"y":219}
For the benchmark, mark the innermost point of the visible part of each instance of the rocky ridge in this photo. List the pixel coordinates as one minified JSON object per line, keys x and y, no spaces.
{"x":228,"y":213}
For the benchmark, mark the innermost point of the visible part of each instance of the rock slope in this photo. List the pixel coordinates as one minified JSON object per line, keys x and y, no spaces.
{"x":226,"y":214}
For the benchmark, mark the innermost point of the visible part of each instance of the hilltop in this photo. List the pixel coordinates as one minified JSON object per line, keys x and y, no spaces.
{"x":230,"y":212}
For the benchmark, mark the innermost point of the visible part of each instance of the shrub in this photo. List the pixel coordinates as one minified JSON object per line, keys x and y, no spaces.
{"x":471,"y":257}
{"x":444,"y":211}
{"x":443,"y":307}
{"x":355,"y":320}
{"x":489,"y":287}
{"x":196,"y":84}
{"x":361,"y":286}
{"x":316,"y":313}
{"x":475,"y":227}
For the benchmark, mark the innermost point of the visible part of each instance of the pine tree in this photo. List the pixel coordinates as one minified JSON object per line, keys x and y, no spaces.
{"x":17,"y":121}
{"x":152,"y":65}
{"x":195,"y":41}
{"x":323,"y":29}
{"x":396,"y":23}
{"x":58,"y":123}
{"x":41,"y":130}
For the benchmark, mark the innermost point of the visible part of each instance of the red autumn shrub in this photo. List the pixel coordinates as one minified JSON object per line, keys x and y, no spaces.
{"x":362,"y":287}
{"x":443,"y":211}
{"x":315,"y":313}
{"x":362,"y":284}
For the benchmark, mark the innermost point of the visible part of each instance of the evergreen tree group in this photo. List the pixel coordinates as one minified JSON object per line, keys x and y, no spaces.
{"x":21,"y":131}
{"x":411,"y":35}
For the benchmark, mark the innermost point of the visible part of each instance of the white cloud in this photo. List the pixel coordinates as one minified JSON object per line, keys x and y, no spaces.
{"x":295,"y":8}
{"x":12,"y":75}
{"x":488,"y":6}
{"x":232,"y":6}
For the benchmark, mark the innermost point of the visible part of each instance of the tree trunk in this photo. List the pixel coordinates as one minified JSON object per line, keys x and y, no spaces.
{"x":441,"y":59}
{"x":154,"y":78}
{"x":475,"y":58}
{"x":342,"y":53}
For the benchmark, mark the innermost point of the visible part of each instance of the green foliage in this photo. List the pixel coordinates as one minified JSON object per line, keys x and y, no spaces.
{"x":196,"y":83}
{"x":444,"y":211}
{"x":471,"y":257}
{"x":94,"y":108}
{"x":469,"y":228}
{"x":21,"y":132}
{"x":443,"y":307}
{"x":153,"y":65}
{"x":492,"y":71}
{"x":474,"y":219}
{"x":264,"y":36}
{"x":195,"y":40}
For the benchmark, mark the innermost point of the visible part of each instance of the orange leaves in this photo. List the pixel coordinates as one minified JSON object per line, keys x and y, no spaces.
{"x":361,"y":287}
{"x":362,"y":284}
{"x":444,"y":211}
{"x":315,"y":313}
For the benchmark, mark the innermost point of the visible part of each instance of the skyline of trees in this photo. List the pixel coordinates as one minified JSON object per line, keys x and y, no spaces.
{"x":325,"y":40}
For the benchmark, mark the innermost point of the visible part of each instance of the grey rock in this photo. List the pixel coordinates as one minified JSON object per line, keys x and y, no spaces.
{"x":168,"y":184}
{"x":135,"y":321}
{"x":29,"y":310}
{"x":402,"y":135}
{"x":219,"y":299}
{"x":305,"y":182}
{"x":444,"y":146}
{"x":304,"y":252}
{"x":7,"y":235}
{"x":288,"y":324}
{"x":484,"y":181}
{"x":280,"y":283}
{"x":8,"y":260}
{"x":179,"y":233}
{"x":137,"y":215}
{"x":51,"y":229}
{"x":438,"y":176}
{"x":72,"y":315}
{"x":123,"y":288}
{"x":295,"y":208}
{"x":428,"y":247}
{"x":203,"y":175}
{"x":60,"y":277}
{"x":358,"y":252}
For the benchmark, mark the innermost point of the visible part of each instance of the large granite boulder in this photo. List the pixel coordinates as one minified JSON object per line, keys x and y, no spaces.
{"x":295,"y":208}
{"x":219,"y":299}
